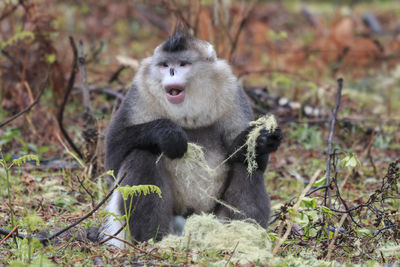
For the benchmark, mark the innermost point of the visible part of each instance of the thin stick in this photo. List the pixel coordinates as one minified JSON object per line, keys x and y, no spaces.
{"x":294,"y":212}
{"x":70,"y":85}
{"x":9,"y":234}
{"x":86,"y":190}
{"x":233,"y":252}
{"x":332,"y":244}
{"x":115,"y":234}
{"x":369,"y":155}
{"x":91,"y":212}
{"x":133,"y":246}
{"x":240,"y":28}
{"x":9,"y":12}
{"x":346,"y":178}
{"x":82,"y":70}
{"x":80,"y":162}
{"x":116,"y":74}
{"x":332,"y":129}
{"x":90,"y":132}
{"x":43,"y":86}
{"x":102,"y":90}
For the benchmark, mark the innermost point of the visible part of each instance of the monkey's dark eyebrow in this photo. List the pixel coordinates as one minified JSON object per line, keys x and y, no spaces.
{"x":185,"y":61}
{"x":162,"y":63}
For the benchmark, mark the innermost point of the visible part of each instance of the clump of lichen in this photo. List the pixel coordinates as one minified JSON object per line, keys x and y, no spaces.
{"x":248,"y":240}
{"x":267,"y":122}
{"x":242,"y":242}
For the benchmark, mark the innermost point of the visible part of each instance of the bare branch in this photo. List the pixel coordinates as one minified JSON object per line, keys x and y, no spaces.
{"x":9,"y":12}
{"x":240,"y":28}
{"x":332,"y":128}
{"x":8,"y":234}
{"x":332,"y":244}
{"x":82,"y":69}
{"x":70,"y":85}
{"x":90,"y":132}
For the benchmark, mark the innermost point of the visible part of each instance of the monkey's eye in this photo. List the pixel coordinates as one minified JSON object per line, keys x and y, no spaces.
{"x":163,"y":64}
{"x":184,"y":63}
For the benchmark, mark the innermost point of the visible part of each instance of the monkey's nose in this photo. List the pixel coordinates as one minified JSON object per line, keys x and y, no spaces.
{"x":171,"y":71}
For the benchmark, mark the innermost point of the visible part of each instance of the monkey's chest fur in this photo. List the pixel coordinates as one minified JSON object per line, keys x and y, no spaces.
{"x":194,"y":188}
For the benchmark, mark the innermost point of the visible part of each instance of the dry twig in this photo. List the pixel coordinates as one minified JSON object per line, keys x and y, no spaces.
{"x":9,"y":234}
{"x":9,"y":11}
{"x":115,"y":234}
{"x":70,"y":85}
{"x":90,"y":132}
{"x":82,"y":69}
{"x":332,"y":128}
{"x":332,"y":244}
{"x":233,"y":252}
{"x":30,"y":106}
{"x":240,"y":28}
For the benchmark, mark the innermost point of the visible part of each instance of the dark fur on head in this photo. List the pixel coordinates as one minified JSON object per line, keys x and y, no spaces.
{"x":179,"y":41}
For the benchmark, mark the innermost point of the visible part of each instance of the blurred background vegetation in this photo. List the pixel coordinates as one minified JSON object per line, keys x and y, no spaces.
{"x":291,"y":50}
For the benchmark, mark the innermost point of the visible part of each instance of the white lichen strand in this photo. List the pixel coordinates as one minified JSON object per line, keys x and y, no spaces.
{"x":194,"y":156}
{"x":267,"y":122}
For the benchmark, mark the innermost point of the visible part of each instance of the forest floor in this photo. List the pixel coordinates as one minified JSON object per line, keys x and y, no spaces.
{"x":278,"y":51}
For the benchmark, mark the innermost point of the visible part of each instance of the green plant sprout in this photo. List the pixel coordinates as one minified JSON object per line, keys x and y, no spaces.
{"x":31,"y":222}
{"x":18,"y":36}
{"x":7,"y":167}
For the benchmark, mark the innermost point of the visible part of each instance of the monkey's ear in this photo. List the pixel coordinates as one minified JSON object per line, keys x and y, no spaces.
{"x":211,"y":54}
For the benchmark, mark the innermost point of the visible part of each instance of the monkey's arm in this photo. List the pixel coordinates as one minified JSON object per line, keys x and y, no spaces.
{"x":267,"y":142}
{"x":158,"y":136}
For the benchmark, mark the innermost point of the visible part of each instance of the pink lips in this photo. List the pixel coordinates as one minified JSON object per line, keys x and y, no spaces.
{"x":175,"y":93}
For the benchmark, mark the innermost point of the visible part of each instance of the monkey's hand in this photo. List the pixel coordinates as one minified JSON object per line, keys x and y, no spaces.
{"x":172,"y":140}
{"x":268,"y":141}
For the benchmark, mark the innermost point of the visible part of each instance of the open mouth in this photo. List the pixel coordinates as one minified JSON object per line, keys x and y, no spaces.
{"x":175,"y":93}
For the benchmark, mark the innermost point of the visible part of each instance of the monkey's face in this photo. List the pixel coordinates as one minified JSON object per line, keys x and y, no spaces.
{"x":174,"y":77}
{"x":183,"y":80}
{"x":176,"y":62}
{"x":191,"y":86}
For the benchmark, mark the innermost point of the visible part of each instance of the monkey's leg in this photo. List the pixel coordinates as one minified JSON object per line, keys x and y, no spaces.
{"x":150,"y":216}
{"x":247,"y":193}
